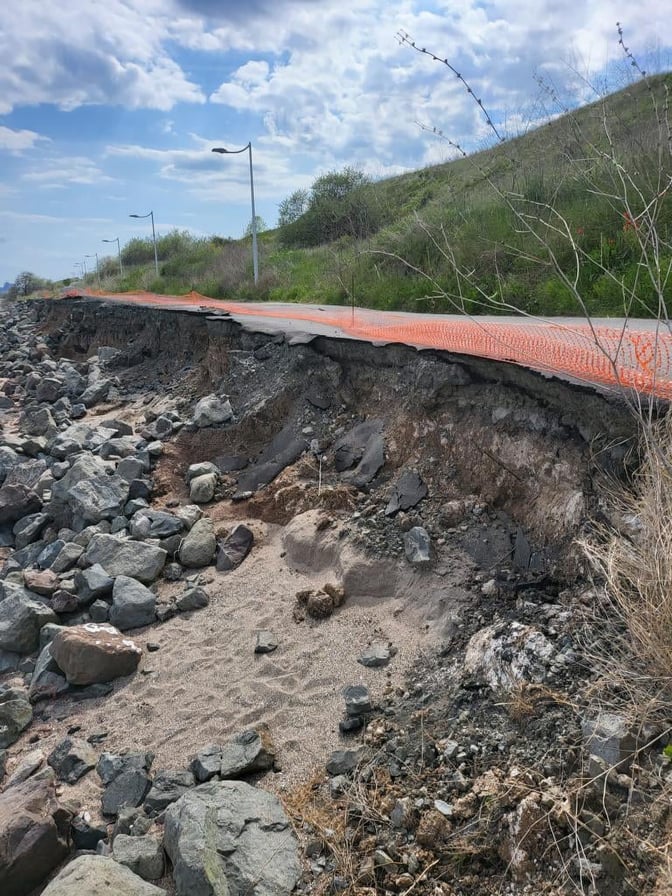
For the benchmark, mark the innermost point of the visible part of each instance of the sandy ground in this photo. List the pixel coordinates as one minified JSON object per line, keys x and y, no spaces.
{"x":206,"y":684}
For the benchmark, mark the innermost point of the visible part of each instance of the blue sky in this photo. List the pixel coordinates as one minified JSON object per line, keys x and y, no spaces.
{"x":111,"y":107}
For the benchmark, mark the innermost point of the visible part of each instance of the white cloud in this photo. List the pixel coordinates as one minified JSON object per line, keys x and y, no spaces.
{"x":18,"y":141}
{"x":59,"y":173}
{"x":81,"y":53}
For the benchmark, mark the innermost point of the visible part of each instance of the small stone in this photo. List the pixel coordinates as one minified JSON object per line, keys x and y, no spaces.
{"x":266,"y":642}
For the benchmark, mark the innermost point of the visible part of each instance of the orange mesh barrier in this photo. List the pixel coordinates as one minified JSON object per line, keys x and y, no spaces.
{"x":634,"y":354}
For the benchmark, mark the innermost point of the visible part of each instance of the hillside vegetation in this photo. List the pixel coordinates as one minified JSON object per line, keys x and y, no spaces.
{"x":576,"y":206}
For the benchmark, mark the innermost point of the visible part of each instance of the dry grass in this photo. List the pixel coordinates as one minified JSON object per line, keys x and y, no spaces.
{"x":634,"y":558}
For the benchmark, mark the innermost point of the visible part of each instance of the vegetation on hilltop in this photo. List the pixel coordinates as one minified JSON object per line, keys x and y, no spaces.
{"x":464,"y":235}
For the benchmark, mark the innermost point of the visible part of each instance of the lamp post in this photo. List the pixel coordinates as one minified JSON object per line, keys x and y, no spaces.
{"x":95,"y":255}
{"x":78,"y":264}
{"x":156,"y":257}
{"x":86,"y":273}
{"x":255,"y":256}
{"x":116,"y":240}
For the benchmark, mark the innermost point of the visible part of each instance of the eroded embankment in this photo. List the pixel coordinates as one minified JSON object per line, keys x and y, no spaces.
{"x":418,"y":506}
{"x":509,"y":439}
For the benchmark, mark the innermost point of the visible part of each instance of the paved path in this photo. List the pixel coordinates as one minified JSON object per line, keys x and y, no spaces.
{"x":608,"y":353}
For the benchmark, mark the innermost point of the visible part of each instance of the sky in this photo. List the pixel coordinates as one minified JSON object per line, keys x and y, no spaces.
{"x":110,"y":108}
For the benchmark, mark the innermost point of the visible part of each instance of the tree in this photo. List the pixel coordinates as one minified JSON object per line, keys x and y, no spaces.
{"x":261,"y":226}
{"x":340,"y":204}
{"x":291,"y":208}
{"x":25,"y":284}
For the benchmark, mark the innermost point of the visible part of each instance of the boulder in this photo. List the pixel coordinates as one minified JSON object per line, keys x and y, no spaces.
{"x":99,"y":876}
{"x":126,"y":779}
{"x":202,"y":488}
{"x":133,"y":604}
{"x":22,"y":615}
{"x":142,"y":855}
{"x":228,"y":837}
{"x":33,"y":834}
{"x":199,"y":545}
{"x":193,"y":598}
{"x":212,"y":409}
{"x":71,"y":759}
{"x":101,"y":498}
{"x":118,"y":557}
{"x":93,"y":653}
{"x":92,"y":583}
{"x":409,"y":491}
{"x":201,"y":469}
{"x":16,"y":714}
{"x":17,"y":501}
{"x":155,"y":524}
{"x":167,"y":787}
{"x":506,"y":655}
{"x":47,"y":681}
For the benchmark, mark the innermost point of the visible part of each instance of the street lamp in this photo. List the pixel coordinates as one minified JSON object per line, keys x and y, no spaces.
{"x":156,"y":257}
{"x":116,"y":240}
{"x":255,"y":256}
{"x":95,"y":255}
{"x":78,"y":264}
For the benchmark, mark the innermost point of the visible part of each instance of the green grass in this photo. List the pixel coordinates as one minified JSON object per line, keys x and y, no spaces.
{"x":458,"y":216}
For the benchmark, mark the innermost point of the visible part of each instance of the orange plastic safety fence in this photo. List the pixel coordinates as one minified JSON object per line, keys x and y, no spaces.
{"x":634,"y":355}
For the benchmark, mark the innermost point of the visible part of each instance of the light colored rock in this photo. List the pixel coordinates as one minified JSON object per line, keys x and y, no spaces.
{"x":211,"y":410}
{"x":99,"y":876}
{"x":198,"y":547}
{"x":141,"y":855}
{"x":202,"y":488}
{"x":506,"y":655}
{"x":94,"y":653}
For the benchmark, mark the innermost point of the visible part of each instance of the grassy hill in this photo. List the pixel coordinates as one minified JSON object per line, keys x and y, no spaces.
{"x":577,"y":207}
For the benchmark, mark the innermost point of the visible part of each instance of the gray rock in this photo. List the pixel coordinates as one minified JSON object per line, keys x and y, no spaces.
{"x":212,"y":410}
{"x":376,"y":655}
{"x":357,"y":700}
{"x":126,"y":558}
{"x":99,"y":611}
{"x":189,"y":514}
{"x":194,"y":598}
{"x":141,"y":855}
{"x":16,"y":714}
{"x":207,"y":762}
{"x":343,"y":762}
{"x":610,"y":737}
{"x":101,"y":498}
{"x":47,"y":681}
{"x":29,"y":528}
{"x":34,"y":829}
{"x":226,"y":837}
{"x":67,"y":557}
{"x":266,"y":642}
{"x":71,"y":759}
{"x":167,"y":787}
{"x":130,"y":469}
{"x":417,"y":545}
{"x":99,"y":876}
{"x":155,"y":524}
{"x":199,"y":545}
{"x":202,"y":488}
{"x":111,"y":765}
{"x":194,"y":471}
{"x":248,"y":753}
{"x":17,"y":501}
{"x":92,"y":583}
{"x":407,"y":493}
{"x":30,"y":763}
{"x":128,"y":789}
{"x":38,"y":421}
{"x":133,"y":604}
{"x":22,"y":615}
